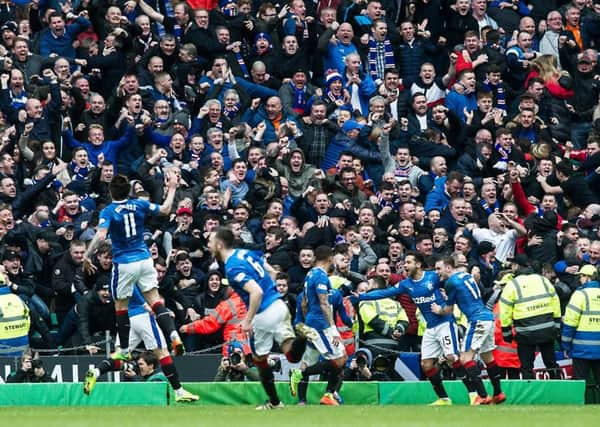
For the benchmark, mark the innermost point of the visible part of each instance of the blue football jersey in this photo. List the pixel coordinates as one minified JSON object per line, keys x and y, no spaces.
{"x":316,"y":283}
{"x":462,"y":290}
{"x":337,"y":304}
{"x":125,"y":223}
{"x":423,"y":292}
{"x":244,"y":265}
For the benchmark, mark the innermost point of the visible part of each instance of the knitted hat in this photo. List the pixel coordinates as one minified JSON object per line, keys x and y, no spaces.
{"x":332,"y":77}
{"x":265,"y":36}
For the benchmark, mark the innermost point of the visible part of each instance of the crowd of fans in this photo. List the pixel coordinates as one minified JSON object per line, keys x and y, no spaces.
{"x":375,"y":127}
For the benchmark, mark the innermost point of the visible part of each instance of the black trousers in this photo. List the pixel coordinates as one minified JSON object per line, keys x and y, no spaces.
{"x":526,"y":354}
{"x":582,"y":368}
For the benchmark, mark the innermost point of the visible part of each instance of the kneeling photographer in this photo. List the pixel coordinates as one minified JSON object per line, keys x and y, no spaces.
{"x":236,"y":366}
{"x":364,"y":367}
{"x":31,"y":371}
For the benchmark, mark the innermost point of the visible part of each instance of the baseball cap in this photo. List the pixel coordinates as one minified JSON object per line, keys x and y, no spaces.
{"x":10,"y":25}
{"x":101,"y":286}
{"x":587,"y":270}
{"x":351,"y":125}
{"x":184,"y":211}
{"x":485,"y":247}
{"x":46,"y":234}
{"x":337,"y":213}
{"x":521,"y":259}
{"x":10,"y":255}
{"x":181,"y":121}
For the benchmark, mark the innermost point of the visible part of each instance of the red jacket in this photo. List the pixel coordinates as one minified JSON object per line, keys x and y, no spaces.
{"x":229,"y":315}
{"x":346,"y":332}
{"x":505,"y":353}
{"x":525,"y":207}
{"x":202,"y":4}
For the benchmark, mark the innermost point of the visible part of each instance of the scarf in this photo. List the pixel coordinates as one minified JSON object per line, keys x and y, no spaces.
{"x":299,"y":103}
{"x":168,"y":8}
{"x":264,"y":51}
{"x":79,"y":172}
{"x":394,"y":204}
{"x":18,"y":100}
{"x":194,"y":155}
{"x":242,"y":64}
{"x":498,"y":90}
{"x":503,"y":153}
{"x":487,"y":208}
{"x":402,"y":172}
{"x":388,"y":56}
{"x":145,"y":42}
{"x":231,"y":112}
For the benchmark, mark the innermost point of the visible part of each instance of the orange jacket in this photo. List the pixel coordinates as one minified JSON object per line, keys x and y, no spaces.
{"x":505,"y":353}
{"x":229,"y":315}
{"x":346,"y":332}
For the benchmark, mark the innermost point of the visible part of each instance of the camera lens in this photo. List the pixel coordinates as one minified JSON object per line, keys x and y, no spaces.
{"x":361,"y":361}
{"x":235,"y":358}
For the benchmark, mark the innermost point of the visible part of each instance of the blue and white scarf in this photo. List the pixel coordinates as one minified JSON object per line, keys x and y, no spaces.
{"x":388,"y":57}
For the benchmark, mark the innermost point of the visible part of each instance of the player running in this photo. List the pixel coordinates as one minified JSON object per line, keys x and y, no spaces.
{"x":440,"y":337}
{"x":123,"y":220}
{"x":320,"y":330}
{"x":143,"y":329}
{"x":461,"y":289}
{"x":267,"y":318}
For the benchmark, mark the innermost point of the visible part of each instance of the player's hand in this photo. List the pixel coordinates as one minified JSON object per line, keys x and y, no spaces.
{"x":336,"y":340}
{"x":247,"y":327}
{"x":435,"y":308}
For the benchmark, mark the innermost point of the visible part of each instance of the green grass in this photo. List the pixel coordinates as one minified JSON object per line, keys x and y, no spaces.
{"x":313,"y":416}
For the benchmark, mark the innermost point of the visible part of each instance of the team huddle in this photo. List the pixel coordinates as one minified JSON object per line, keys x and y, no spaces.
{"x":142,"y":316}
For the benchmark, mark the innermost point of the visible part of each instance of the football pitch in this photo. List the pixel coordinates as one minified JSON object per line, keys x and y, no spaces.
{"x":344,"y":416}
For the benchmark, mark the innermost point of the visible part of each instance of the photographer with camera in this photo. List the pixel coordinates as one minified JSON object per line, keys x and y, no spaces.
{"x":365,"y":366}
{"x":31,"y":370}
{"x":236,"y":366}
{"x":358,"y":367}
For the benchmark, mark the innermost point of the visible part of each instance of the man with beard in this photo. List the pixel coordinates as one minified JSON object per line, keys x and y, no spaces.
{"x":440,"y":337}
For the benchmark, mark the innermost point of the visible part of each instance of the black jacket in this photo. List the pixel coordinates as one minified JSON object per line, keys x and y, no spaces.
{"x":95,"y":316}
{"x":66,"y":277}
